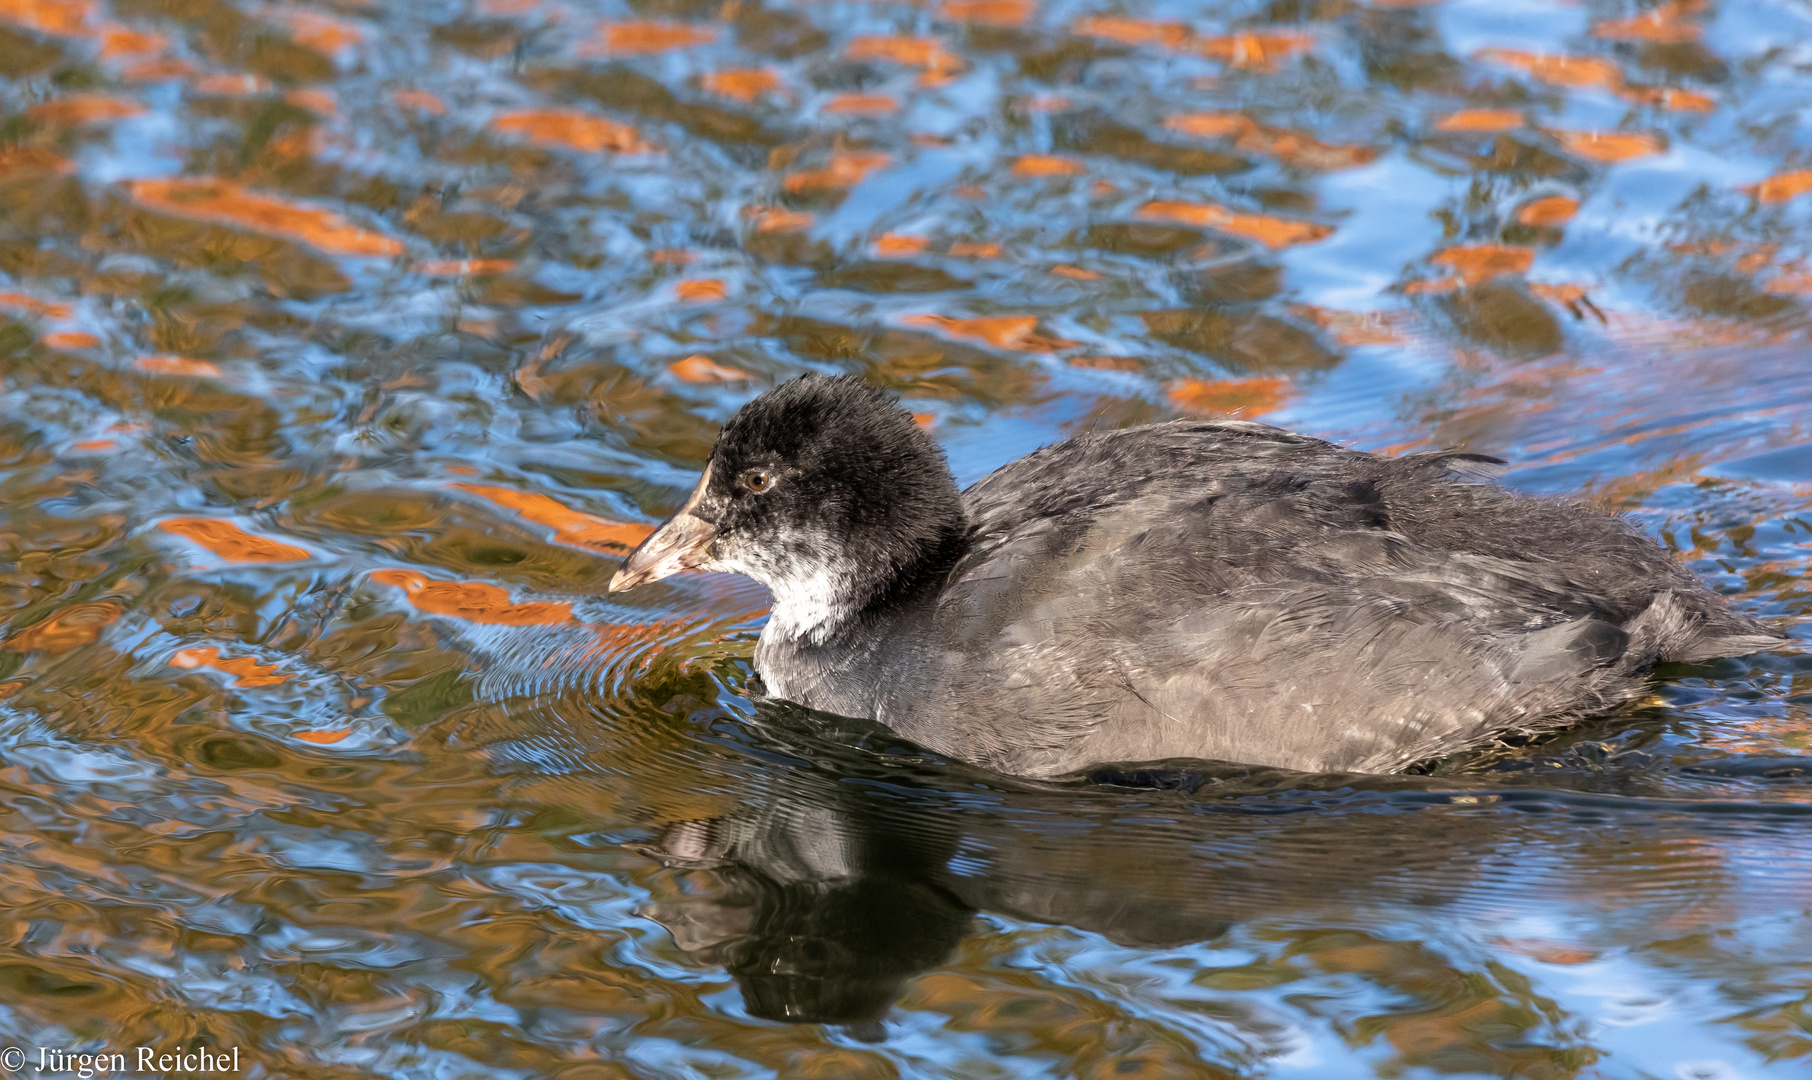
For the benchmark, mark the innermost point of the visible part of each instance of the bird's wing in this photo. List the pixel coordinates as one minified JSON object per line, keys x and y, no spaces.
{"x":1250,"y":595}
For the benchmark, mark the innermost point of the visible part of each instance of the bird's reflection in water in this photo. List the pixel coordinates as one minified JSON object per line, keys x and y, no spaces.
{"x":831,"y":887}
{"x":821,"y":915}
{"x":832,"y":865}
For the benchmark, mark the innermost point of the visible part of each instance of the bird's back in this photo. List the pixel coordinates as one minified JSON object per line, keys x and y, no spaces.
{"x":1233,"y":591}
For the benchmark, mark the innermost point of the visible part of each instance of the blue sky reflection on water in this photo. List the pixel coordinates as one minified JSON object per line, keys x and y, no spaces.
{"x":345,"y":348}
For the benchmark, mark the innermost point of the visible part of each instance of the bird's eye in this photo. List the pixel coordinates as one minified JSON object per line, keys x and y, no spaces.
{"x":757,"y":480}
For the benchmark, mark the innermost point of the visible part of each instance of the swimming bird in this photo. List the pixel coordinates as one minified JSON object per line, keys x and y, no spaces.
{"x":1219,"y":590}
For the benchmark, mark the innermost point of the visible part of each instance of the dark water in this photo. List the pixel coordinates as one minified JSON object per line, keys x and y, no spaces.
{"x":344,"y":347}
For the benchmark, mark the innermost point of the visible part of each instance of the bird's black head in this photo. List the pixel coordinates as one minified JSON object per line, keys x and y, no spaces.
{"x":822,"y":489}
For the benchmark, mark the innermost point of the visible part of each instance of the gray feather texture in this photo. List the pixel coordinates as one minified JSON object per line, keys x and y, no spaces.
{"x":1227,"y":591}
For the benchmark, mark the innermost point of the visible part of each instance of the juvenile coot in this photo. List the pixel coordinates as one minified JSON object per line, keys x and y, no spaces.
{"x":1221,"y":590}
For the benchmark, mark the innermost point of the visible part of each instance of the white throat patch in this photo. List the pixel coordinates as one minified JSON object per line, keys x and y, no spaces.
{"x":806,"y":609}
{"x":810,"y":580}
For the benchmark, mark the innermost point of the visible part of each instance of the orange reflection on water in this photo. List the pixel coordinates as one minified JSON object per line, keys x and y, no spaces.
{"x":222,"y":202}
{"x":1244,"y":397}
{"x":617,"y":640}
{"x":1259,"y":50}
{"x":1781,"y":187}
{"x":119,"y":41}
{"x":1595,"y":72}
{"x":34,"y":306}
{"x":1106,"y":363}
{"x":900,"y":245}
{"x":1273,"y":232}
{"x":861,"y":105}
{"x":230,"y":542}
{"x":743,"y":84}
{"x":775,"y":219}
{"x":1171,"y":35}
{"x":1475,"y":263}
{"x":700,"y":369}
{"x":650,"y":36}
{"x":419,"y":99}
{"x":1792,"y":284}
{"x":910,"y":51}
{"x":988,"y":12}
{"x":1671,"y":98}
{"x":1015,"y":332}
{"x":319,"y":31}
{"x":84,"y":109}
{"x":846,"y":169}
{"x":1551,"y":210}
{"x":1225,"y":124}
{"x":232,"y":85}
{"x":1047,"y":165}
{"x":1481,"y":120}
{"x":1292,"y":148}
{"x":1354,"y":327}
{"x":473,"y":601}
{"x":322,"y":738}
{"x":245,"y":670}
{"x":64,"y":18}
{"x":572,"y":130}
{"x":920,"y":52}
{"x":25,"y":159}
{"x":1663,"y":25}
{"x":1548,"y":952}
{"x":1608,"y":147}
{"x":1575,"y":298}
{"x":1756,"y":258}
{"x":315,"y":100}
{"x":69,"y":628}
{"x":465,"y":267}
{"x":570,"y":526}
{"x":177,"y":365}
{"x":156,"y":69}
{"x":1079,"y":181}
{"x":1576,"y":71}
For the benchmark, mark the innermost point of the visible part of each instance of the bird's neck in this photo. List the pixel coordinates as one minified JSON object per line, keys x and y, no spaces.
{"x":813,"y":608}
{"x":849,"y":598}
{"x":826,"y":630}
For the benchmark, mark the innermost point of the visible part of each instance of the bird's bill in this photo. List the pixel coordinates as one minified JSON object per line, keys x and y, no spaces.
{"x":682,"y":542}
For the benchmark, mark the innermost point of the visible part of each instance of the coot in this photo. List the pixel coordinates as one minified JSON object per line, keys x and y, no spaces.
{"x":1203,"y":589}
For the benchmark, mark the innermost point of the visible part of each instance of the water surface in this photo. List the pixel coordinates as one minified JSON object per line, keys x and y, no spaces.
{"x":346,"y":347}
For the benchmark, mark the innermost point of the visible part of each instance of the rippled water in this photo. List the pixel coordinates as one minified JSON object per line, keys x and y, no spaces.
{"x":345,"y":347}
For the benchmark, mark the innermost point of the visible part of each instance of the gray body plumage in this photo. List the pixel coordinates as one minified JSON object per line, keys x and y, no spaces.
{"x":1236,"y":592}
{"x":1195,"y":589}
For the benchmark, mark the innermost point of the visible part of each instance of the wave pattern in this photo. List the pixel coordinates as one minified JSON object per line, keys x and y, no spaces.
{"x":345,"y":348}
